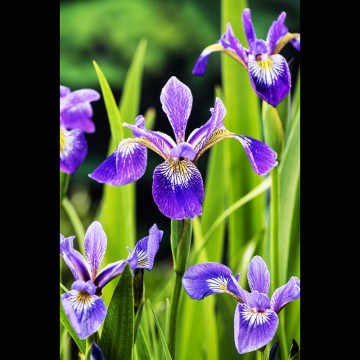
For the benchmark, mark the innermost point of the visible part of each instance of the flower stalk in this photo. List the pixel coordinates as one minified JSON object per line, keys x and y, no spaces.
{"x":181,"y":231}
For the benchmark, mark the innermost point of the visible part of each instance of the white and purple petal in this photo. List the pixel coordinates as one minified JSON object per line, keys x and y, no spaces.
{"x":64,"y":91}
{"x":249,"y":30}
{"x":276,"y":31}
{"x":95,"y":242}
{"x":286,"y":293}
{"x":258,"y":275}
{"x":73,"y":259}
{"x":146,"y":249}
{"x":163,"y":143}
{"x":253,"y":330}
{"x":270,"y":78}
{"x":125,"y":165}
{"x":261,"y":157}
{"x":176,"y":100}
{"x":73,"y":149}
{"x":178,"y":189}
{"x":85,"y":310}
{"x":210,"y":278}
{"x":78,"y":117}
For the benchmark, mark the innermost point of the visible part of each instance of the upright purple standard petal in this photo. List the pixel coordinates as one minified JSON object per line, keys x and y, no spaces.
{"x":261,"y":156}
{"x":235,"y":44}
{"x":275,"y":32}
{"x":270,"y":78}
{"x":286,"y":293}
{"x":249,"y":30}
{"x":176,"y":100}
{"x":76,"y":97}
{"x":178,"y":189}
{"x":73,"y":259}
{"x":95,"y":245}
{"x":146,"y":249}
{"x":73,"y":149}
{"x":85,"y":310}
{"x":78,"y":117}
{"x":258,"y":275}
{"x":125,"y":165}
{"x":252,"y":329}
{"x":210,"y":278}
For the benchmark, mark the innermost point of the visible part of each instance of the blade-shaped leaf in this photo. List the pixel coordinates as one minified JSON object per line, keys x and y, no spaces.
{"x":117,"y":335}
{"x":142,"y":347}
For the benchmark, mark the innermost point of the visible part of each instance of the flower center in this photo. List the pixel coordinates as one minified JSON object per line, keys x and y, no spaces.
{"x":62,"y":140}
{"x":83,"y":297}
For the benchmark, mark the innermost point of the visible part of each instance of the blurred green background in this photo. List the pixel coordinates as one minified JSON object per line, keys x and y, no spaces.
{"x":108,"y":31}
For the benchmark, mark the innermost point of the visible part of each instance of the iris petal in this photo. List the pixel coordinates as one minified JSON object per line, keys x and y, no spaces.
{"x":86,"y":311}
{"x":178,"y":189}
{"x":210,"y":278}
{"x":73,"y":259}
{"x":76,"y":97}
{"x":95,"y":245}
{"x":109,"y":272}
{"x":73,"y":149}
{"x":78,"y":117}
{"x":249,"y":30}
{"x":146,"y":249}
{"x":176,"y":100}
{"x":258,"y":275}
{"x":286,"y":293}
{"x":253,"y":330}
{"x":125,"y":165}
{"x":270,"y":78}
{"x":183,"y":150}
{"x":276,"y":31}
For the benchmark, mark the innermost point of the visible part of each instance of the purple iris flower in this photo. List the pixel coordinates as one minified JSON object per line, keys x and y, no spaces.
{"x":75,"y":119}
{"x":177,"y":188}
{"x":268,"y":70}
{"x":83,"y":304}
{"x":256,"y":318}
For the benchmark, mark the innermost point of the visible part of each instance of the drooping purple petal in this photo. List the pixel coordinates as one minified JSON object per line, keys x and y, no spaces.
{"x":176,"y":100}
{"x":73,"y":259}
{"x":78,"y":117}
{"x":125,"y":165}
{"x":76,"y":97}
{"x":200,"y":136}
{"x":146,"y":249}
{"x":183,"y":150}
{"x":210,"y":278}
{"x":202,"y":61}
{"x":286,"y":293}
{"x":109,"y":272}
{"x":73,"y":149}
{"x":258,"y":275}
{"x":95,"y":246}
{"x":85,"y":310}
{"x":162,"y":142}
{"x":178,"y":189}
{"x":276,"y":31}
{"x":270,"y":78}
{"x":261,"y":156}
{"x":253,"y":330}
{"x":249,"y":30}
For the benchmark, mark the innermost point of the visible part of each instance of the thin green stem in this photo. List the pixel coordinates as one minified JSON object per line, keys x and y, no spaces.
{"x":261,"y":353}
{"x":75,"y":221}
{"x":181,"y":231}
{"x":274,"y":228}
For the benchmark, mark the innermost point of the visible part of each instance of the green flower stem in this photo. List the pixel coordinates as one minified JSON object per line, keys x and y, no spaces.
{"x":181,"y":231}
{"x":274,"y":228}
{"x":92,"y":338}
{"x":64,"y":183}
{"x":75,"y":221}
{"x":261,"y":353}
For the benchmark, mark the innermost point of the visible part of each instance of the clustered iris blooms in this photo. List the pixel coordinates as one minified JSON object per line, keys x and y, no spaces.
{"x":256,"y":319}
{"x":83,"y":304}
{"x":177,"y":188}
{"x":75,"y":119}
{"x":268,"y":70}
